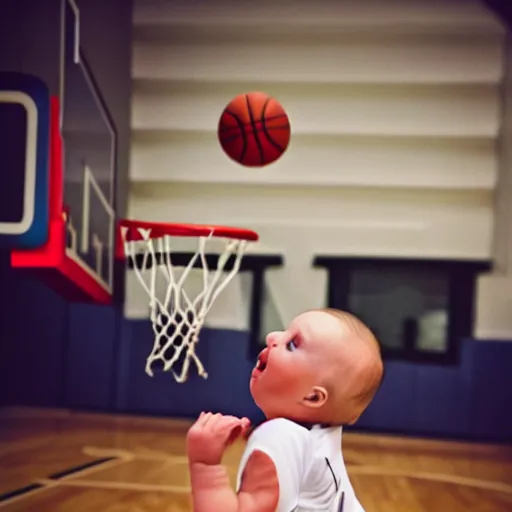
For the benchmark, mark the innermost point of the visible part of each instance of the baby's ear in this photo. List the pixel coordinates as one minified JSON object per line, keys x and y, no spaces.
{"x":316,"y":398}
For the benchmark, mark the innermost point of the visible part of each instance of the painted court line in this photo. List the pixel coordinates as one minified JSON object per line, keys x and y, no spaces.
{"x":361,"y":470}
{"x":128,"y":455}
{"x":433,"y":477}
{"x":106,"y":464}
{"x":92,"y":451}
{"x":57,"y":478}
{"x":74,"y":477}
{"x":79,"y":469}
{"x":128,"y":486}
{"x":20,"y":494}
{"x":353,"y":469}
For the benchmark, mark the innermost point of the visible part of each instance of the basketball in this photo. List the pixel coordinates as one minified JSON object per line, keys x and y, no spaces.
{"x":254,"y":129}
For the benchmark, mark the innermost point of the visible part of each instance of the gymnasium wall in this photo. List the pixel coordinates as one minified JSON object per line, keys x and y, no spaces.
{"x":397,"y":150}
{"x":395,"y":114}
{"x":495,"y":304}
{"x":396,"y":111}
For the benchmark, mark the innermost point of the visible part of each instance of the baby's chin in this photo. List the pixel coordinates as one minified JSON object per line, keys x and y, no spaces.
{"x":268,"y":403}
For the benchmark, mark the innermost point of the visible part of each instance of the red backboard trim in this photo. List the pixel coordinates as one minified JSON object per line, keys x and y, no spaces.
{"x":50,"y":262}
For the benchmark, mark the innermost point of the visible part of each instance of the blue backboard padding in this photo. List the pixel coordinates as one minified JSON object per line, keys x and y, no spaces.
{"x":13,"y":135}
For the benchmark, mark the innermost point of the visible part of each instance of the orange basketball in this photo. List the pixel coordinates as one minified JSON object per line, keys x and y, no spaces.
{"x":254,"y":129}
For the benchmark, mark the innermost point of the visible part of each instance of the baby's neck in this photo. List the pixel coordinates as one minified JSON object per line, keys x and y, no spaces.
{"x":309,"y":424}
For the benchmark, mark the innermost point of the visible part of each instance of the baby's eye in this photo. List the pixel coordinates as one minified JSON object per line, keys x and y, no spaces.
{"x":291,"y":346}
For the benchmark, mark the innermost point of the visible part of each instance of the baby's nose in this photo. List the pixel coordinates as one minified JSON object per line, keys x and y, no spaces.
{"x":272,"y":339}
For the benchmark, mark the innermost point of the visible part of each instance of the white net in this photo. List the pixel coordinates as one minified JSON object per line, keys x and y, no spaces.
{"x":176,"y":317}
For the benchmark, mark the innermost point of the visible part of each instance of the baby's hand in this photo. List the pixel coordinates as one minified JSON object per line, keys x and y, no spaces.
{"x":211,"y":434}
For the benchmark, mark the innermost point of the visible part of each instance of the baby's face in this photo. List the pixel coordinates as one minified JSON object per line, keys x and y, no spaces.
{"x":294,"y":362}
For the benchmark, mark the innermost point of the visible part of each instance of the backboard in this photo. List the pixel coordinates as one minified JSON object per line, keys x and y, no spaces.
{"x":24,"y":139}
{"x":79,"y":251}
{"x":89,"y":140}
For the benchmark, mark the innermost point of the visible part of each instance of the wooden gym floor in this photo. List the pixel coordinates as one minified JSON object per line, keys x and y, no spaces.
{"x":72,"y":462}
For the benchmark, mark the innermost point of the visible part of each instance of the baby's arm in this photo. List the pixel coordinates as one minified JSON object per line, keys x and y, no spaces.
{"x":270,"y":474}
{"x":211,"y":490}
{"x":272,"y":467}
{"x":259,"y":491}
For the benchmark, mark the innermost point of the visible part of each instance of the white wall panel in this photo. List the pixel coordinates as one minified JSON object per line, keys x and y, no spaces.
{"x":299,"y":205}
{"x":334,"y":110}
{"x":435,"y":14}
{"x":369,"y":60}
{"x":395,"y":112}
{"x":494,"y":307}
{"x":336,"y":160}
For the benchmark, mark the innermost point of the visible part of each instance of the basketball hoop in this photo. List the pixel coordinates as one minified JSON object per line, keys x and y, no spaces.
{"x":176,"y":318}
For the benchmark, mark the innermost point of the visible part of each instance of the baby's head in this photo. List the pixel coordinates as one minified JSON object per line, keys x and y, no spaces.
{"x":325,"y":368}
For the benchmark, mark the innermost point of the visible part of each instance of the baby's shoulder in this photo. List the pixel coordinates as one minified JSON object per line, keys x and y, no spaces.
{"x":281,"y":429}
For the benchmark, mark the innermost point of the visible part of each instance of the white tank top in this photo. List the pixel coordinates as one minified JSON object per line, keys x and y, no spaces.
{"x":309,"y":463}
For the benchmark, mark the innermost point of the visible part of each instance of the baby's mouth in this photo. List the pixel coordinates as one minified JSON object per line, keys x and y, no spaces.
{"x":261,"y":364}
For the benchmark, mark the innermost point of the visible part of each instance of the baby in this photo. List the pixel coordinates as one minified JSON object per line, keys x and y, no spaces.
{"x":310,"y":380}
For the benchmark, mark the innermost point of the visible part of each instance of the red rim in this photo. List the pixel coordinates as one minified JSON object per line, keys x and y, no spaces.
{"x":159,"y":229}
